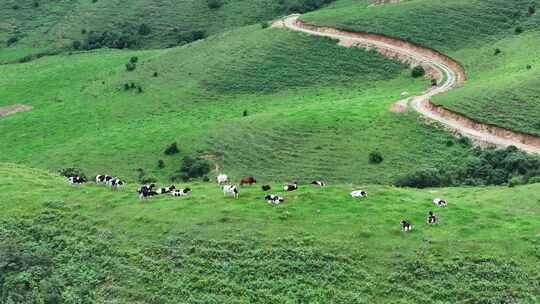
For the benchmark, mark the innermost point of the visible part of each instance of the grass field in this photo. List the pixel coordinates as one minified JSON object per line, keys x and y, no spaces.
{"x":501,"y":89}
{"x":319,"y":246}
{"x":322,"y":110}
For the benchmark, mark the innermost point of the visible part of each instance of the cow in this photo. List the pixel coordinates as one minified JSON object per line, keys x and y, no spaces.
{"x":146,"y":193}
{"x":248,"y":180}
{"x":116,"y":183}
{"x":164,"y":190}
{"x":222,"y":179}
{"x":181,"y":192}
{"x":76,"y":180}
{"x":440,"y":202}
{"x":231,"y":189}
{"x":432,"y":218}
{"x":274,"y":199}
{"x":318,"y":183}
{"x":406,"y":226}
{"x":266,"y":188}
{"x":100,"y":179}
{"x":290,"y":187}
{"x":358,"y":194}
{"x":146,"y":187}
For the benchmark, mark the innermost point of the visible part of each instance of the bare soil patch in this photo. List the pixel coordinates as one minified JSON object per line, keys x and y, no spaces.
{"x":8,"y":110}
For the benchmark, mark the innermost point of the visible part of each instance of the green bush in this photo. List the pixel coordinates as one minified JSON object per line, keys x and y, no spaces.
{"x":130,"y":66}
{"x":12,"y":40}
{"x":161,"y":164}
{"x":375,"y":157}
{"x":214,"y":4}
{"x":497,"y":51}
{"x":265,"y":25}
{"x":144,"y":29}
{"x":193,"y":168}
{"x":418,"y":71}
{"x":134,"y":59}
{"x":534,"y":180}
{"x":515,"y":181}
{"x":76,"y":44}
{"x":72,"y":171}
{"x":424,"y":178}
{"x":172,"y":149}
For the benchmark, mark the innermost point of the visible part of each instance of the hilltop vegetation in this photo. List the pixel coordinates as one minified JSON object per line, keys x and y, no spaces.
{"x":86,"y":243}
{"x":32,"y":28}
{"x":496,"y":41}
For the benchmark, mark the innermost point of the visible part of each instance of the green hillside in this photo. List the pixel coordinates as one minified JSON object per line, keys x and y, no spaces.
{"x":502,"y":88}
{"x":318,"y":107}
{"x":90,"y":244}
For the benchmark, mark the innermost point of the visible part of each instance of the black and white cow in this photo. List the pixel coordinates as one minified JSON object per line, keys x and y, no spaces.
{"x":432,"y":218}
{"x":231,"y":189}
{"x":116,"y":183}
{"x":358,"y":194}
{"x":318,"y":183}
{"x":164,"y":190}
{"x":147,"y":193}
{"x":146,"y":187}
{"x":76,"y":180}
{"x":274,"y":199}
{"x":440,"y":202}
{"x":405,"y":226}
{"x":181,"y":192}
{"x":266,"y":188}
{"x":290,"y":187}
{"x":103,"y":179}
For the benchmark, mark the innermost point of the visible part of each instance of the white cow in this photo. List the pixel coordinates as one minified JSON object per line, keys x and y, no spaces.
{"x":231,"y":189}
{"x":440,"y":202}
{"x":358,"y":194}
{"x":222,"y":179}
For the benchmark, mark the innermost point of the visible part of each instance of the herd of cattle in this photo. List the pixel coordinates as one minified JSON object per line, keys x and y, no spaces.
{"x":148,"y":191}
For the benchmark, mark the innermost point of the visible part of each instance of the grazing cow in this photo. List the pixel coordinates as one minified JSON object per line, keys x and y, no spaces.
{"x":116,"y":183}
{"x":76,"y":180}
{"x":290,"y":187}
{"x":266,"y":188}
{"x":103,"y":179}
{"x":274,"y":199}
{"x":164,"y":190}
{"x":231,"y":189}
{"x":318,"y":183}
{"x":181,"y":192}
{"x":222,"y":179}
{"x":358,"y":194}
{"x":406,"y":226}
{"x":432,"y":218}
{"x":146,"y":193}
{"x":146,"y":187}
{"x":440,"y":202}
{"x":248,"y":180}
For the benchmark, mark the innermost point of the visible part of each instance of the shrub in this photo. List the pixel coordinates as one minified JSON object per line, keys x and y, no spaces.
{"x":193,"y":167}
{"x":375,"y":157}
{"x":12,"y":40}
{"x":449,"y":143}
{"x":161,"y":164}
{"x":265,"y":25}
{"x":130,"y":66}
{"x":518,"y":30}
{"x":433,"y":82}
{"x":515,"y":181}
{"x":465,"y":141}
{"x":76,"y":44}
{"x":126,"y":86}
{"x":245,"y":113}
{"x":528,"y":67}
{"x":139,"y":89}
{"x":534,"y":180}
{"x":172,"y":149}
{"x":206,"y":179}
{"x":134,"y":59}
{"x":144,"y":29}
{"x":497,"y":51}
{"x":418,"y":71}
{"x":214,"y":4}
{"x":531,"y":10}
{"x":188,"y":37}
{"x":420,"y":179}
{"x":72,"y":171}
{"x":155,"y":74}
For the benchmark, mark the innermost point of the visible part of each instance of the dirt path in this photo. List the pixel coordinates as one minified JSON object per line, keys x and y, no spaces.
{"x":8,"y":110}
{"x":448,"y":72}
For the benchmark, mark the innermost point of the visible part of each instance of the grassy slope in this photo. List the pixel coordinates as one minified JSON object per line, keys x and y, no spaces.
{"x":322,"y":113}
{"x":54,"y":25}
{"x":500,"y":89}
{"x":481,"y":233}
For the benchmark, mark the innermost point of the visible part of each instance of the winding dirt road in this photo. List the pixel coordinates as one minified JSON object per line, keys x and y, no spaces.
{"x":449,"y":73}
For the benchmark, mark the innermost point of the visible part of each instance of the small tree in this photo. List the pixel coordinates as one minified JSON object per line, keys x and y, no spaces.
{"x":497,"y":51}
{"x":245,"y":113}
{"x":214,"y":4}
{"x":518,"y":30}
{"x":418,"y":71}
{"x":12,"y":40}
{"x":76,"y":44}
{"x":375,"y":157}
{"x":161,"y":164}
{"x":134,"y":59}
{"x":172,"y":149}
{"x":155,"y":74}
{"x":139,"y":89}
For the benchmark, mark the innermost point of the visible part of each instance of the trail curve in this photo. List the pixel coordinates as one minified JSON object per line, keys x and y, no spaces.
{"x":450,"y":74}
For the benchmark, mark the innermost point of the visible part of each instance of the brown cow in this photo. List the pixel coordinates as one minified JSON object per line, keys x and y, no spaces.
{"x":248,"y":180}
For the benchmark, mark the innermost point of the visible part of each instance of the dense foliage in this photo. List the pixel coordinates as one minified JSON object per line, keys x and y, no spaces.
{"x":483,"y":167}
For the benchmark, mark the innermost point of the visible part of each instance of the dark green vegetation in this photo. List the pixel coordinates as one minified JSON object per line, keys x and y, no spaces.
{"x":503,"y":86}
{"x":27,"y":30}
{"x":486,"y":167}
{"x":65,"y":244}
